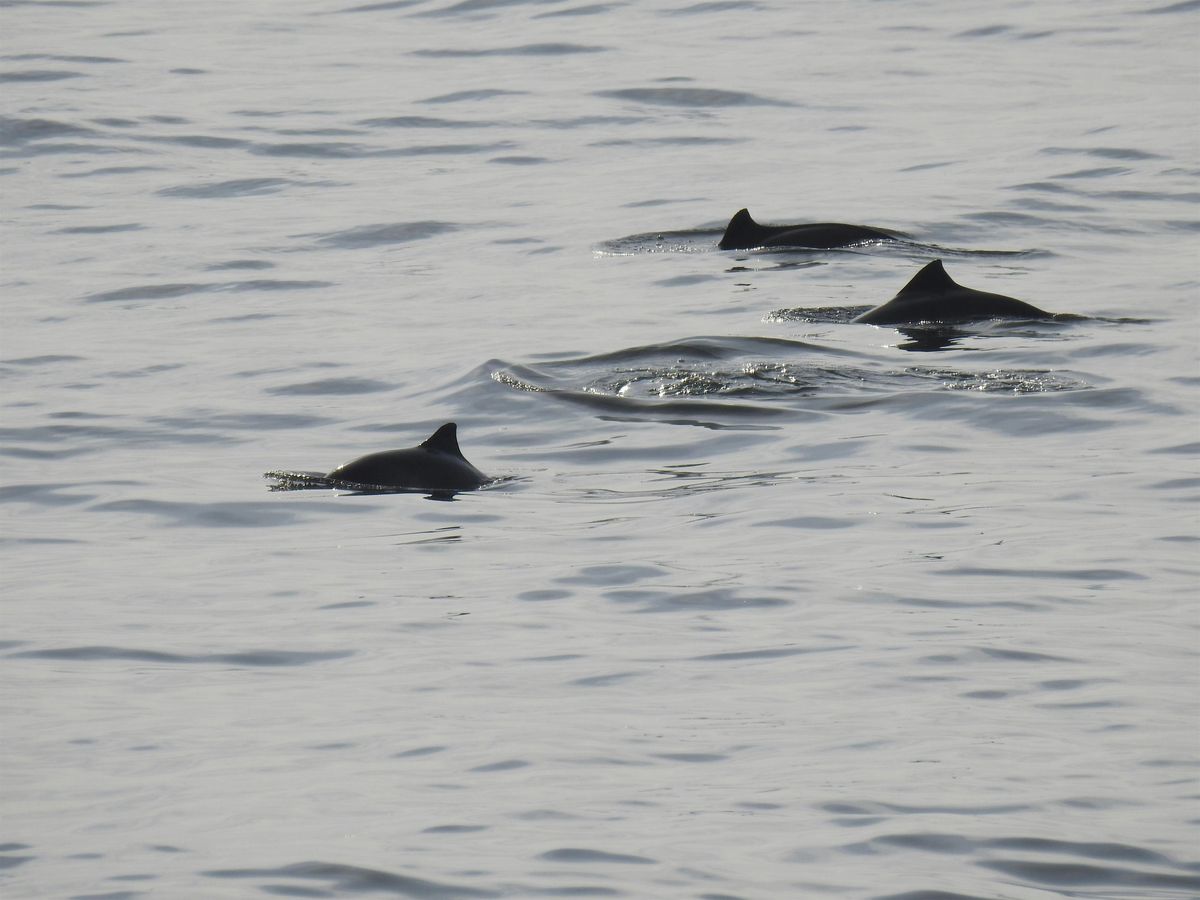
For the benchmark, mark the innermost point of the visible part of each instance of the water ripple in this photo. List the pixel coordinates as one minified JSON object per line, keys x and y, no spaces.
{"x":423,"y":122}
{"x":479,"y":94}
{"x":167,"y":291}
{"x":346,"y":880}
{"x":1103,"y":152}
{"x":240,"y":658}
{"x":690,"y":97}
{"x":743,"y":374}
{"x":589,"y":10}
{"x":238,"y":187}
{"x":382,"y":7}
{"x":549,"y":49}
{"x":100,"y":229}
{"x":716,"y":6}
{"x":481,"y":6}
{"x":585,"y":855}
{"x":364,"y":236}
{"x":224,"y":514}
{"x":59,"y":58}
{"x":15,"y":131}
{"x":37,"y":75}
{"x":1077,"y":875}
{"x":1184,"y":6}
{"x":340,"y":387}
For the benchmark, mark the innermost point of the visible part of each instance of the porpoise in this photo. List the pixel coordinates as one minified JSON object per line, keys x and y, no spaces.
{"x":437,"y":464}
{"x":743,"y":233}
{"x":933,"y":296}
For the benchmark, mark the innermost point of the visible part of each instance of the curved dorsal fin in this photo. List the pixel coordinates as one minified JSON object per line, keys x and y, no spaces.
{"x":931,"y":279}
{"x":742,"y":231}
{"x":444,"y":440}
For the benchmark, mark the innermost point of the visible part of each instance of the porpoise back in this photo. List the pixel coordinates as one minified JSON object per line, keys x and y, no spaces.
{"x":933,"y":296}
{"x":743,"y":233}
{"x":437,"y":464}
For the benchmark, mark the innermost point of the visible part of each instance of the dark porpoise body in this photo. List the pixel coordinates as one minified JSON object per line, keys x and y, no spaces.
{"x":435,"y":465}
{"x":933,"y":296}
{"x":743,"y":233}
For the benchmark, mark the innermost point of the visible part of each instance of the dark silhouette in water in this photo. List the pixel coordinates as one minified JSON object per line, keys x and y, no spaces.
{"x":743,"y":233}
{"x":435,"y":465}
{"x":933,"y":296}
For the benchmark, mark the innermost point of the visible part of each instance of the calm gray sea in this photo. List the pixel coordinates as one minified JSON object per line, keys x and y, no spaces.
{"x":765,"y":604}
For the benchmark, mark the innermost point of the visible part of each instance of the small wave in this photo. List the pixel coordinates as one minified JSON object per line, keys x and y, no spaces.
{"x":768,"y":653}
{"x":587,"y":121}
{"x":203,"y":141}
{"x":240,"y":658}
{"x":44,"y":494}
{"x":877,"y":809}
{"x":985,"y":31}
{"x":1092,"y":576}
{"x":746,"y":374}
{"x":100,"y":229}
{"x":240,"y":264}
{"x":1040,"y":205}
{"x":332,"y":387}
{"x":319,"y":150}
{"x":817,"y":315}
{"x":346,"y":150}
{"x":476,"y":6}
{"x":549,"y":49}
{"x":422,"y":122}
{"x":691,"y":602}
{"x":111,"y":170}
{"x":585,"y":855}
{"x":752,"y":380}
{"x":285,"y":480}
{"x":1156,"y":871}
{"x":345,"y":880}
{"x":519,"y":160}
{"x":168,"y":291}
{"x":589,"y":10}
{"x":43,"y":360}
{"x":59,"y":58}
{"x":1077,"y":875}
{"x":716,"y":6}
{"x":678,"y":141}
{"x":15,"y":131}
{"x":690,"y":97}
{"x":246,"y":514}
{"x":1102,"y":152}
{"x":366,"y":236}
{"x":689,"y":241}
{"x":37,"y":75}
{"x":1009,"y":381}
{"x":251,"y":423}
{"x":504,"y":765}
{"x":1185,"y":6}
{"x":1095,"y":172}
{"x":44,"y":149}
{"x":481,"y":94}
{"x":382,"y":7}
{"x":240,"y":187}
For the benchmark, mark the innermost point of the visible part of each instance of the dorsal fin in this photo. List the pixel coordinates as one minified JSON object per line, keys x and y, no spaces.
{"x":930,"y":280}
{"x":742,"y":231}
{"x":445,"y":440}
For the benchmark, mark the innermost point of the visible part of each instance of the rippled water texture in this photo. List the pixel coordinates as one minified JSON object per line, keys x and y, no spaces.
{"x":762,"y":603}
